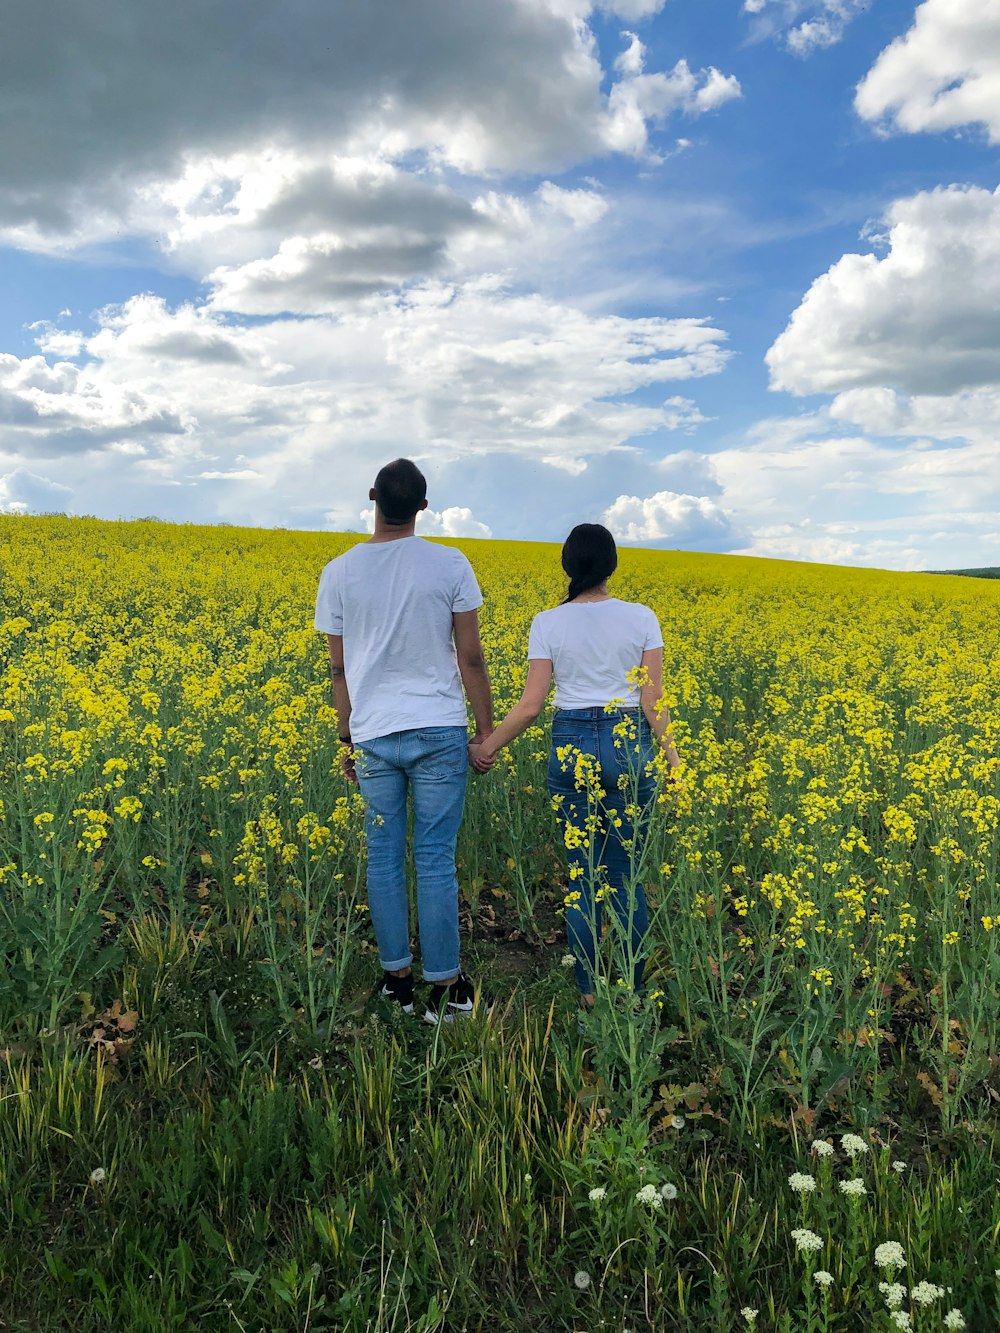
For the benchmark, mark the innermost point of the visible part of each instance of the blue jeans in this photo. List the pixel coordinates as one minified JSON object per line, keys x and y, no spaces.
{"x":433,"y":763}
{"x":608,"y":860}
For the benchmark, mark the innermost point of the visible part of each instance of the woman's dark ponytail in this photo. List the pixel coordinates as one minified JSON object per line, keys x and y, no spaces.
{"x":589,"y":556}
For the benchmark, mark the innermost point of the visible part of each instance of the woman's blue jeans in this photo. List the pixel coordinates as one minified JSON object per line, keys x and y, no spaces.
{"x":608,"y":863}
{"x":433,"y":764}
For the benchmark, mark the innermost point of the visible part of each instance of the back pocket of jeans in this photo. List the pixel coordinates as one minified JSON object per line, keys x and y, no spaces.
{"x":445,"y":756}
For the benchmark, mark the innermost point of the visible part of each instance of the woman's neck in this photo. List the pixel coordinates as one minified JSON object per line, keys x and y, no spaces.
{"x":598,"y":594}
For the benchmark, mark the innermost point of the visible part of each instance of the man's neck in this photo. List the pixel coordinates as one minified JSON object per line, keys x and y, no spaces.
{"x":391,"y":532}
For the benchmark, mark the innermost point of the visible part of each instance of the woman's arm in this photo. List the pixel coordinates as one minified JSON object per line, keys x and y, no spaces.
{"x":657,"y":713}
{"x":520,"y":717}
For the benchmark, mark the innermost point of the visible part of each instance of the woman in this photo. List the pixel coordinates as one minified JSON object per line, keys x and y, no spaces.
{"x":595,"y":647}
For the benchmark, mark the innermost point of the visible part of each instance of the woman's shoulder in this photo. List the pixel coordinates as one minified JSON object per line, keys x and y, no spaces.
{"x":638,"y":609}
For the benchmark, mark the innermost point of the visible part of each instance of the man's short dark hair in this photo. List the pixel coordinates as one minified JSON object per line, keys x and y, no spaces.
{"x":400,"y":490}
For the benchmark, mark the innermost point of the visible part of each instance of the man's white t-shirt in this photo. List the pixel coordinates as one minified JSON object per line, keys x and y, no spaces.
{"x":592,"y":647}
{"x":392,"y":602}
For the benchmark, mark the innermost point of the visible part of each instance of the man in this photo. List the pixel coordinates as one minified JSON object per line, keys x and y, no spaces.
{"x":402,"y":623}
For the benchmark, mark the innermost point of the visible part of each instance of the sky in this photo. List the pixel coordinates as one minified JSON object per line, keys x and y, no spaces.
{"x":721,"y":274}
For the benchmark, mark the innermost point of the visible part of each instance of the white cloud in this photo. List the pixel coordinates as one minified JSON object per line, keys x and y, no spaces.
{"x":944,"y":73}
{"x":633,"y":58}
{"x":119,"y":106}
{"x":925,"y":318}
{"x":690,"y":521}
{"x":24,"y":492}
{"x":455,"y":521}
{"x":583,"y":208}
{"x":259,"y":419}
{"x":814,"y":35}
{"x":632,"y":11}
{"x":234,"y":474}
{"x":853,"y":500}
{"x":640,"y":99}
{"x":824,"y":24}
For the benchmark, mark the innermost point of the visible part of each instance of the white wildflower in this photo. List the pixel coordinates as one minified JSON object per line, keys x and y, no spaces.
{"x":801,"y":1183}
{"x":926,"y":1293}
{"x":822,"y":1278}
{"x":894,"y":1293}
{"x":954,"y":1319}
{"x":581,"y":1280}
{"x":668,"y":1191}
{"x":901,"y":1319}
{"x":890,"y":1255}
{"x":748,"y":1314}
{"x":899,"y":1167}
{"x":821,"y":1148}
{"x":853,"y":1145}
{"x":806,"y":1240}
{"x":597,"y":1194}
{"x":649,"y":1195}
{"x":855,"y":1188}
{"x":98,"y":1175}
{"x":567,"y":960}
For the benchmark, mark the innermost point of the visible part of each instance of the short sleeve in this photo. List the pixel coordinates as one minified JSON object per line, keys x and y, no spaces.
{"x":467,"y":596}
{"x":538,"y":646}
{"x":329,"y":603}
{"x":654,"y":638}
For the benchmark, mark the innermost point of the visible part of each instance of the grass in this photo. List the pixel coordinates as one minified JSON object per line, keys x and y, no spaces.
{"x":402,"y":1177}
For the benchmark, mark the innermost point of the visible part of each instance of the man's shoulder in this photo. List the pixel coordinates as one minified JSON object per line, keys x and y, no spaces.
{"x":444,"y":555}
{"x":345,"y":557}
{"x":445,"y":562}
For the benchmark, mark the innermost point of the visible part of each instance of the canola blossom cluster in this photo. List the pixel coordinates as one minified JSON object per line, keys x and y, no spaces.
{"x":168,"y":747}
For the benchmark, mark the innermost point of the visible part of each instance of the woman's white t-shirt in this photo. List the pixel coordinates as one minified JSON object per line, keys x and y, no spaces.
{"x":592,"y":647}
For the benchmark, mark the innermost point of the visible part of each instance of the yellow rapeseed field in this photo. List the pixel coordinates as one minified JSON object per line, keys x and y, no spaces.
{"x":168,"y":751}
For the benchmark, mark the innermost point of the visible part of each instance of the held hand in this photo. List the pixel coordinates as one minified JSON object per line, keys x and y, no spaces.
{"x":347,"y":763}
{"x":478,"y":759}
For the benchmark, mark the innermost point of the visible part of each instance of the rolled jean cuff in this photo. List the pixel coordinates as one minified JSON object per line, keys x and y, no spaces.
{"x":396,"y":967}
{"x":440,"y":976}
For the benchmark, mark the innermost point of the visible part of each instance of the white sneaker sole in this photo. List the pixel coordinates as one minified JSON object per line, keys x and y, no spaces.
{"x":386,"y":994}
{"x":450,"y":1014}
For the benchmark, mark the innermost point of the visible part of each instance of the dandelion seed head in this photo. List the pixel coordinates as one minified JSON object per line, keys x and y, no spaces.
{"x":98,"y":1175}
{"x":581,"y":1280}
{"x":668,"y":1191}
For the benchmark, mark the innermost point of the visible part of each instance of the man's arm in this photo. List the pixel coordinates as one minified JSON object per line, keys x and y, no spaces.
{"x":342,"y":703}
{"x":472,"y":666}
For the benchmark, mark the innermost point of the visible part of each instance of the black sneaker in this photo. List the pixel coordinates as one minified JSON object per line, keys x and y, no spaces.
{"x":445,"y":1003}
{"x":399,"y":989}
